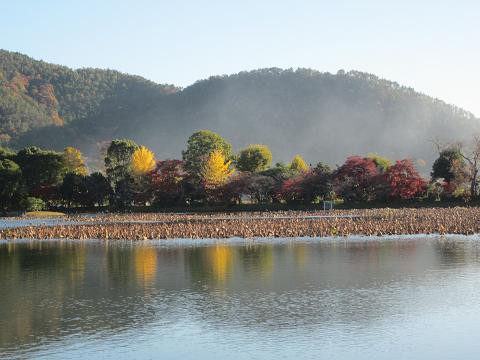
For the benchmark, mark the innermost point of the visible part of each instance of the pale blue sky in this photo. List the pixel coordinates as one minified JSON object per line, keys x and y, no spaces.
{"x":433,"y":46}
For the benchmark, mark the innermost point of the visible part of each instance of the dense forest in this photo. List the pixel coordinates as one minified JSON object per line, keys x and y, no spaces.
{"x":319,"y":115}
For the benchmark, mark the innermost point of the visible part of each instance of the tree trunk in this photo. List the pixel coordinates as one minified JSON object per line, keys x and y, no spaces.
{"x":473,"y":184}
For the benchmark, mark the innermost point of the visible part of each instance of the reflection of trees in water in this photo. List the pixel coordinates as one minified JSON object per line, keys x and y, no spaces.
{"x":211,"y":263}
{"x":348,"y":282}
{"x":119,"y":261}
{"x":145,"y":264}
{"x":53,"y":290}
{"x":220,"y":258}
{"x":450,"y":252}
{"x":302,"y":254}
{"x":32,"y":274}
{"x":257,"y":258}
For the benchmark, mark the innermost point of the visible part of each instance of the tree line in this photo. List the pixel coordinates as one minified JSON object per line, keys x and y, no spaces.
{"x":210,"y":173}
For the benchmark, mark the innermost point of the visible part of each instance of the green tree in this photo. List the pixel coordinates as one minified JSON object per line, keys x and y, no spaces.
{"x":124,"y":193}
{"x":382,"y":163}
{"x":72,"y":189}
{"x":322,"y":168}
{"x":40,"y":167}
{"x":6,"y":154}
{"x":199,"y":147}
{"x":447,"y":162}
{"x":97,"y":190}
{"x":280,"y":172}
{"x":118,"y":159}
{"x":320,"y":184}
{"x":10,"y":185}
{"x":254,"y":158}
{"x":34,"y":204}
{"x":118,"y":165}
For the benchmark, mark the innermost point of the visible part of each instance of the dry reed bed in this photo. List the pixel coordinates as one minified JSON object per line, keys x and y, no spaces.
{"x":459,"y":220}
{"x":147,"y":217}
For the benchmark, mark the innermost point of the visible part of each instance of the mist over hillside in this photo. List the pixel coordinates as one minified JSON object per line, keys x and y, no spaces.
{"x":322,"y":116}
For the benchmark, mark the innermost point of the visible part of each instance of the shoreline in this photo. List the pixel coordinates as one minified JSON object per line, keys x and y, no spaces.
{"x":237,"y":241}
{"x":371,"y":222}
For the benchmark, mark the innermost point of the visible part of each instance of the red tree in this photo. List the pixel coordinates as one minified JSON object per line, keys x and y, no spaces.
{"x":306,"y":187}
{"x":292,"y":190}
{"x":46,"y":192}
{"x":404,"y":180}
{"x":358,"y":179}
{"x":166,"y":182}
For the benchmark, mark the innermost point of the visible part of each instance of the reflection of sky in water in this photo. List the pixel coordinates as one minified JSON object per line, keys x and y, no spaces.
{"x":6,"y":223}
{"x":11,"y":223}
{"x":414,"y":298}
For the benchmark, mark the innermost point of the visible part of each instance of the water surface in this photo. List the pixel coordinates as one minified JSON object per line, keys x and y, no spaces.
{"x":408,"y":298}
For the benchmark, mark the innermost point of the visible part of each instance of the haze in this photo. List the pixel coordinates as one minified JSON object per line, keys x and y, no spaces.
{"x":429,"y":45}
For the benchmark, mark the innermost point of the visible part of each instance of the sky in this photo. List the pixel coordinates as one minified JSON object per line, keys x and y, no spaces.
{"x":432,"y":46}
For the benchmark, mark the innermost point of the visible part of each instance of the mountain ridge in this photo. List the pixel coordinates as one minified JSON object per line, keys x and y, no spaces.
{"x":321,"y":115}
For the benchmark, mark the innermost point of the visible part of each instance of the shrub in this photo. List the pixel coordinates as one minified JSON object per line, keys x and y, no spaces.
{"x":34,"y":204}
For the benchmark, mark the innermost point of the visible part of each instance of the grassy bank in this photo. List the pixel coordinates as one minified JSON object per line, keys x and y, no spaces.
{"x":44,"y":214}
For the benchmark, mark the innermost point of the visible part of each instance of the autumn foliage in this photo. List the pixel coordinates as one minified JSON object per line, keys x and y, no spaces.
{"x":74,"y":161}
{"x":206,"y":177}
{"x":292,"y":190}
{"x":298,"y":164}
{"x":143,"y":161}
{"x":404,"y":181}
{"x":357,"y":179}
{"x":167,"y":182}
{"x":216,"y":170}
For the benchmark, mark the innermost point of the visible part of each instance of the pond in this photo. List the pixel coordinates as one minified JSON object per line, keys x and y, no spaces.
{"x":395,"y":298}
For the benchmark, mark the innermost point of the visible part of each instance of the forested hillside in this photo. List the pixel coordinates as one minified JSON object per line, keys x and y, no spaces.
{"x":35,"y":94}
{"x":322,"y":116}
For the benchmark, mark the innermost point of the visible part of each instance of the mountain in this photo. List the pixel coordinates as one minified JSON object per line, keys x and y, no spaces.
{"x":321,"y":116}
{"x":36,"y":95}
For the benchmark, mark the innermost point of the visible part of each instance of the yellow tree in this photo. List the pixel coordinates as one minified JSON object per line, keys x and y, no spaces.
{"x":298,"y":164}
{"x":216,"y":170}
{"x":74,"y":162}
{"x":143,"y":161}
